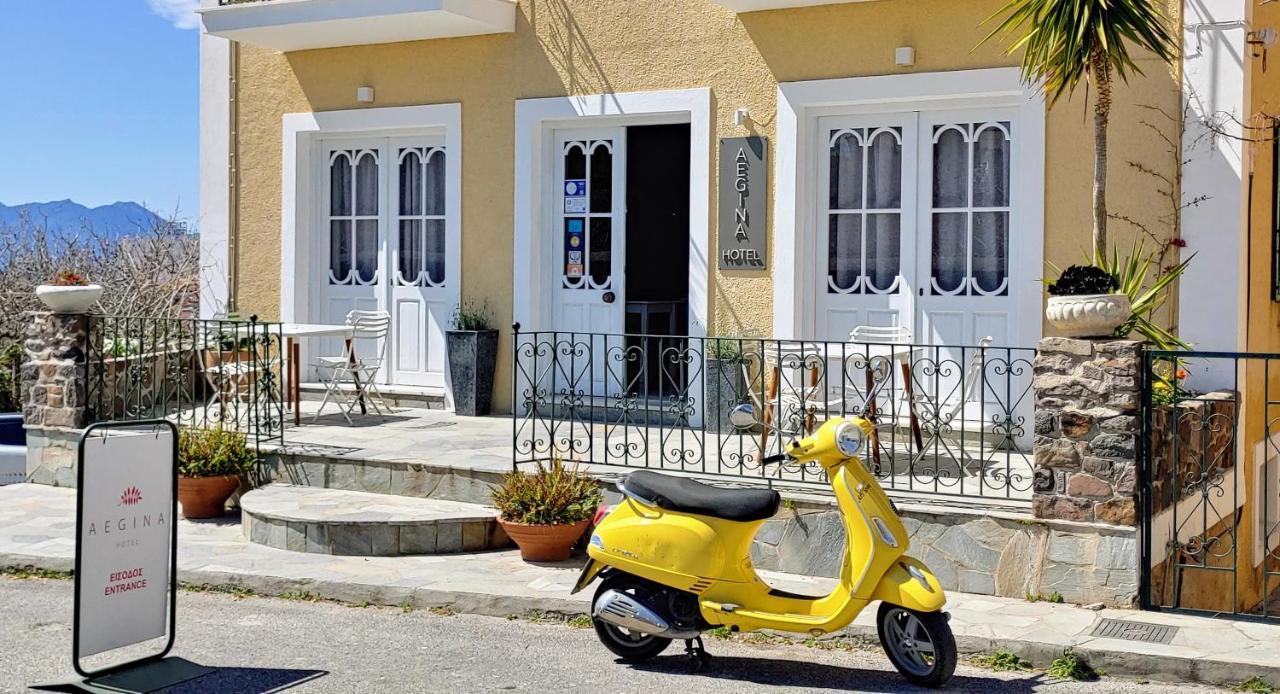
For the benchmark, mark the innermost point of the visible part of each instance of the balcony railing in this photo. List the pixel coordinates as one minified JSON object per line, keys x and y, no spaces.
{"x":953,"y":421}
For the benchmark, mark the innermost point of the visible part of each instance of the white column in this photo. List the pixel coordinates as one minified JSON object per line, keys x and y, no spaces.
{"x":215,"y":174}
{"x":1210,"y":297}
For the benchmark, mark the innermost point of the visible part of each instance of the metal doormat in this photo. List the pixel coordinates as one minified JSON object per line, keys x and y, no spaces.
{"x":1134,"y":631}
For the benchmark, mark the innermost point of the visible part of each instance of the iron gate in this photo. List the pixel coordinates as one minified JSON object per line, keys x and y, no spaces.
{"x":1211,"y":483}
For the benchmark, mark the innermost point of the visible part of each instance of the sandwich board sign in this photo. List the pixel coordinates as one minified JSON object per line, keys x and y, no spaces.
{"x":126,"y":555}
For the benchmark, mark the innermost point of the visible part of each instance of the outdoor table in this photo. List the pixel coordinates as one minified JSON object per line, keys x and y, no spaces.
{"x":292,"y":333}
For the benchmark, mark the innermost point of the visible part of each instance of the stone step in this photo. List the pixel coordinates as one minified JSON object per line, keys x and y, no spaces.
{"x":361,"y":524}
{"x":331,"y":468}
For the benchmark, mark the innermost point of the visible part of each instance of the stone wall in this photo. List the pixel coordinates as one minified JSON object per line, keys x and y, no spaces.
{"x":54,"y":394}
{"x":1088,"y":394}
{"x":54,"y":381}
{"x":982,"y":552}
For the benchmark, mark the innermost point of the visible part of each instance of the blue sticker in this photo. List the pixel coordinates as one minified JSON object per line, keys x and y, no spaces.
{"x":575,"y":188}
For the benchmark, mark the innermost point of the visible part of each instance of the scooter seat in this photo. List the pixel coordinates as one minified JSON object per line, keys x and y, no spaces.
{"x":688,"y":496}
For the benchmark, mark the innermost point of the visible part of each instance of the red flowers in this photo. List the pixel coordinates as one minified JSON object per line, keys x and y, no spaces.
{"x":70,"y":278}
{"x":1178,"y":242}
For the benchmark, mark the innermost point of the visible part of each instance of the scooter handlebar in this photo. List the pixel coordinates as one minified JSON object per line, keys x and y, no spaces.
{"x":776,"y":458}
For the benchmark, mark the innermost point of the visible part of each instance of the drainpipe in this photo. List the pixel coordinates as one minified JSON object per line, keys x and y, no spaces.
{"x":233,"y":178}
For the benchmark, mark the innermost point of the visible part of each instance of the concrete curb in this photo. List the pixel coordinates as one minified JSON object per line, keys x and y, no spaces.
{"x":1040,"y":654}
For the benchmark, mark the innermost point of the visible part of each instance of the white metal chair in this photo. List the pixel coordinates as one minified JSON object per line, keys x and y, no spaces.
{"x":361,"y":372}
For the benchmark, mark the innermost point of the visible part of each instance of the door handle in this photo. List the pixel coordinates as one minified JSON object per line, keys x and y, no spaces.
{"x":609,"y":297}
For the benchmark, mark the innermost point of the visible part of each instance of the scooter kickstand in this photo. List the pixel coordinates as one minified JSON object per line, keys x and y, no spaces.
{"x":698,"y":656}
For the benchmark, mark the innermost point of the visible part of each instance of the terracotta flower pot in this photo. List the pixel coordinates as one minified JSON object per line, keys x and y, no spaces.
{"x":205,"y":497}
{"x":544,"y":542}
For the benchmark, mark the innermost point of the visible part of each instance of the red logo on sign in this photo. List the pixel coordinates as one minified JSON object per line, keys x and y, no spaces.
{"x":131,"y":496}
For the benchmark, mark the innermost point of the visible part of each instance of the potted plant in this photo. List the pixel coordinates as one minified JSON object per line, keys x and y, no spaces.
{"x":546,"y":512}
{"x":69,"y":292}
{"x":211,"y":463}
{"x":473,"y":357}
{"x":726,"y":383}
{"x":1083,"y":302}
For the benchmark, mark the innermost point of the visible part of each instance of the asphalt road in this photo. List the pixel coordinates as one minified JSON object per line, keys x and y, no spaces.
{"x":259,"y":645}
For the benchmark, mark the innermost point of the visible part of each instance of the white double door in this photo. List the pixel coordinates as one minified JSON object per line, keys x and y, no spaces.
{"x":917,"y":226}
{"x":390,"y":239}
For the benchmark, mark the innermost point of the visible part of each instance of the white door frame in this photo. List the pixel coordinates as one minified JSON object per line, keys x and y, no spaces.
{"x":301,"y":188}
{"x":536,"y":123}
{"x":800,"y":104}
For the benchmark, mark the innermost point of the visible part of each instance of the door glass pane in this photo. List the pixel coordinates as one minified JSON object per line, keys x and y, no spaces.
{"x":575,"y":161}
{"x":366,"y":256}
{"x":410,"y":183}
{"x":339,"y":251}
{"x":367,"y":184}
{"x":340,"y":186}
{"x":844,"y":252}
{"x":410,"y":249}
{"x":950,"y":252}
{"x":950,"y":168}
{"x":991,"y":168}
{"x":435,"y":168}
{"x":601,"y":260}
{"x":846,"y":173}
{"x":884,"y":172}
{"x":601,"y":185}
{"x":991,"y":251}
{"x":884,"y":256}
{"x":435,"y":248}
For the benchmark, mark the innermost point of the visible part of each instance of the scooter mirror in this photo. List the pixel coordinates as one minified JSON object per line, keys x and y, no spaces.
{"x":743,"y":417}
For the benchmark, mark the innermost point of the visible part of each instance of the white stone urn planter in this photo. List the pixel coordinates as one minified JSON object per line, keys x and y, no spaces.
{"x":72,"y":299}
{"x":1088,"y":315}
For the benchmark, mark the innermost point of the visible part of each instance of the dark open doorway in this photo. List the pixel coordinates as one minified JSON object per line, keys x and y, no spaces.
{"x":657,"y":236}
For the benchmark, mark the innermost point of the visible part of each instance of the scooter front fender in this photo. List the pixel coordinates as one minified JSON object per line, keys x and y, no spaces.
{"x":910,"y":584}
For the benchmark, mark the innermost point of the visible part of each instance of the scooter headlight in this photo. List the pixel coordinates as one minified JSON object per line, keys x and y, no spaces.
{"x":849,"y":438}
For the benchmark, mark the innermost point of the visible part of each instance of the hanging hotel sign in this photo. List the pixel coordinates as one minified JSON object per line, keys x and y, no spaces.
{"x":743,"y":186}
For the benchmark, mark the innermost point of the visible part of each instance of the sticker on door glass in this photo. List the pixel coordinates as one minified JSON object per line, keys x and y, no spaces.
{"x":573,"y":243}
{"x":575,"y":196}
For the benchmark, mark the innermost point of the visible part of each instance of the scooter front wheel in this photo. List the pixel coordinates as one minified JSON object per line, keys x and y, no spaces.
{"x":920,"y":644}
{"x":632,"y":647}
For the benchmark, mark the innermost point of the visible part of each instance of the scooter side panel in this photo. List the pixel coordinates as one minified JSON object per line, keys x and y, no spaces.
{"x":675,"y":549}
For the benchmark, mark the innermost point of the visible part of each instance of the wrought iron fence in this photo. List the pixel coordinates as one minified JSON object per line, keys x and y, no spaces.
{"x":950,"y":420}
{"x":1210,"y":501}
{"x":198,"y":373}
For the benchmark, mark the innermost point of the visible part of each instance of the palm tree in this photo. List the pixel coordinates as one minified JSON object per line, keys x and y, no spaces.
{"x":1065,"y":41}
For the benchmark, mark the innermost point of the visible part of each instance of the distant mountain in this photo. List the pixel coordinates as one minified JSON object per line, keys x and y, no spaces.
{"x":65,"y":217}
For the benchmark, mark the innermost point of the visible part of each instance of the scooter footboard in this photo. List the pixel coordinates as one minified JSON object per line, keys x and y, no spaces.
{"x":910,"y":584}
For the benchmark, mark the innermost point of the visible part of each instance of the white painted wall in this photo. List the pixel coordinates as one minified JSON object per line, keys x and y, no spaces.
{"x":215,"y":176}
{"x":1213,"y":288}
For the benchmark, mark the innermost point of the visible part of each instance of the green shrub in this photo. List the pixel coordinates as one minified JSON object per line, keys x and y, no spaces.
{"x":470,"y":316}
{"x":1081,"y":280}
{"x":1071,"y":667}
{"x":553,"y":495}
{"x":213,"y":453}
{"x":1001,"y":661}
{"x":10,"y":360}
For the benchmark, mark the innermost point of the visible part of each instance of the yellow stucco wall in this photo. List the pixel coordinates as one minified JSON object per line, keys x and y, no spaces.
{"x":565,"y":47}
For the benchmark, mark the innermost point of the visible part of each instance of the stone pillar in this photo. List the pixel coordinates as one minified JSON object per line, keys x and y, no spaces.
{"x":54,"y":394}
{"x":1088,"y":394}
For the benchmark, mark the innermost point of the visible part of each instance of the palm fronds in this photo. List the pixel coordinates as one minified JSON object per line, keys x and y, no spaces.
{"x":1146,"y":296}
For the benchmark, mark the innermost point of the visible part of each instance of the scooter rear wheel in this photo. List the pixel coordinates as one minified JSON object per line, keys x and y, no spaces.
{"x":920,"y":644}
{"x":630,"y":646}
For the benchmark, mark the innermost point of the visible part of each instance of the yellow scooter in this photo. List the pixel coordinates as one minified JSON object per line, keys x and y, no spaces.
{"x":675,"y":559}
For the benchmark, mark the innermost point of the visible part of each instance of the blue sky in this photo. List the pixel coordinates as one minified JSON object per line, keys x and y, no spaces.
{"x":100,"y":102}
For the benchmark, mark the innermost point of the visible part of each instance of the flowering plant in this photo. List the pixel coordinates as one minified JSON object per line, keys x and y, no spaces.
{"x":70,"y":278}
{"x":1167,"y":388}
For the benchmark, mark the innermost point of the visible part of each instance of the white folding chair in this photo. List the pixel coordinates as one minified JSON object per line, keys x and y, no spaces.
{"x":361,"y":372}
